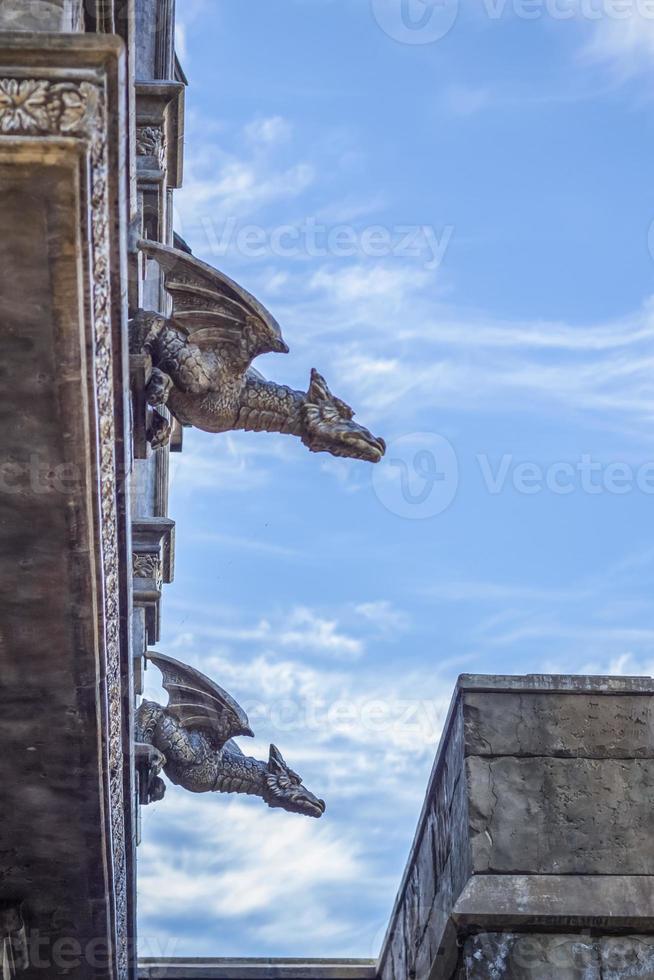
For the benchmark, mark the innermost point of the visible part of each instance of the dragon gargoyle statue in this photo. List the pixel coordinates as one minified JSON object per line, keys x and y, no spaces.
{"x":193,"y":737}
{"x":201,"y":365}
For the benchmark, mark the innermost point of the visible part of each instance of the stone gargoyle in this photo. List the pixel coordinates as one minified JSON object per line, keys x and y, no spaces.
{"x":202,"y":365}
{"x":193,"y":739}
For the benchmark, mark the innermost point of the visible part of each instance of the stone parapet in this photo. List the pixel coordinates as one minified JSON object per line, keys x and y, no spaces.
{"x":538,"y":818}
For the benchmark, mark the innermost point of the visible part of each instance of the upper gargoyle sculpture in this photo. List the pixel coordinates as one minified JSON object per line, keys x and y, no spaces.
{"x":201,"y":365}
{"x":194,"y":733}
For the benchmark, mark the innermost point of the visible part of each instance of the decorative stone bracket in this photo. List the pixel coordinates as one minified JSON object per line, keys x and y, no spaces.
{"x":159,"y":152}
{"x":153,"y":543}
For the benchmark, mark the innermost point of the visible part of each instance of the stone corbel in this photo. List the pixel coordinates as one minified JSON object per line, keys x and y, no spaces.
{"x":153,"y":543}
{"x":159,"y":151}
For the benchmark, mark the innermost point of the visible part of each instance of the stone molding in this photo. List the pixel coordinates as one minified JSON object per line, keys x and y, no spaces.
{"x":562,"y":902}
{"x":254,"y":968}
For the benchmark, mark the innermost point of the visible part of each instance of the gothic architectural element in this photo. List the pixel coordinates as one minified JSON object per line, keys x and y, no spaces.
{"x":159,"y":145}
{"x":153,"y":543}
{"x":195,"y":734}
{"x":201,"y":365}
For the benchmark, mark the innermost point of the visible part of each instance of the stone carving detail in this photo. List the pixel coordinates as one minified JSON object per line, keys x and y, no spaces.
{"x":148,"y":566}
{"x":151,"y":142}
{"x":105,"y":395}
{"x":202,"y":370}
{"x":30,"y":105}
{"x":195,"y":734}
{"x":14,"y":950}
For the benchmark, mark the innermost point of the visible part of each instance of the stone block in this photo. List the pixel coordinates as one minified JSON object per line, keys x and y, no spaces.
{"x":590,"y":726}
{"x":562,"y":816}
{"x":507,"y":956}
{"x":627,"y":957}
{"x":56,"y":16}
{"x":538,"y":818}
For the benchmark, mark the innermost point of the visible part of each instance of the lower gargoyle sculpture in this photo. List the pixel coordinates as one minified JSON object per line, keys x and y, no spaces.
{"x":193,"y":736}
{"x":14,"y":949}
{"x":201,"y":365}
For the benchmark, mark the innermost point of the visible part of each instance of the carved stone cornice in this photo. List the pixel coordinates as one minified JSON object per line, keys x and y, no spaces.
{"x":31,"y":106}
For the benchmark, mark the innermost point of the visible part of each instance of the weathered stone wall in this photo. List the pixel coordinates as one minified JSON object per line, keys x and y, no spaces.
{"x":66,"y":855}
{"x":538,"y":816}
{"x":540,"y":956}
{"x":57,"y":16}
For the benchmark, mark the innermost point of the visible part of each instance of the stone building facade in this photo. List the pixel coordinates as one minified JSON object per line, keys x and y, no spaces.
{"x":91,"y":124}
{"x":533,"y":857}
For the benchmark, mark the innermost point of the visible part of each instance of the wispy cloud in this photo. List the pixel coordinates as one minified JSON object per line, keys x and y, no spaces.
{"x":251,"y":864}
{"x":269,"y":130}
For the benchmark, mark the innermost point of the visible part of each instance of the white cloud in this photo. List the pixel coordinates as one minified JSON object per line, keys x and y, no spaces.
{"x":307,"y":631}
{"x":269,"y":131}
{"x":383,"y":615}
{"x":625,"y":43}
{"x":271,"y":867}
{"x":369,"y":282}
{"x":298,"y":628}
{"x":237,"y":188}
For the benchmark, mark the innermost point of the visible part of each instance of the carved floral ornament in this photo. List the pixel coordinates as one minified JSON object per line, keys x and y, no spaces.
{"x":30,"y":105}
{"x":151,"y":142}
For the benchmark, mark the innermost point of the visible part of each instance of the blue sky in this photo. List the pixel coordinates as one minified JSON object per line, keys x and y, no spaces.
{"x":468,"y":263}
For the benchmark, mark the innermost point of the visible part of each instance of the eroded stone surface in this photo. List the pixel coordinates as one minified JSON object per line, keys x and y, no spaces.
{"x":577,"y":725}
{"x":562,"y":816}
{"x":627,"y":957}
{"x":504,"y":956}
{"x":41,"y":15}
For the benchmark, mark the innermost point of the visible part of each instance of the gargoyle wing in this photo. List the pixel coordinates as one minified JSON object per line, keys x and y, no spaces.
{"x":211,"y":308}
{"x":199,"y":704}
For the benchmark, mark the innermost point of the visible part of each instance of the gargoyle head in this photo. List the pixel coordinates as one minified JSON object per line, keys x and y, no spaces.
{"x":284,"y":788}
{"x":330,"y":427}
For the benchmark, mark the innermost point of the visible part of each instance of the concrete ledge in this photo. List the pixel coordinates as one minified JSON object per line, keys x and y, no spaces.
{"x":257,"y":969}
{"x":556,"y":683}
{"x":557,"y":901}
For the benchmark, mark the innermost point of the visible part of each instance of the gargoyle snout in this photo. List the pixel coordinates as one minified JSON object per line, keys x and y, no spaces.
{"x":281,"y":347}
